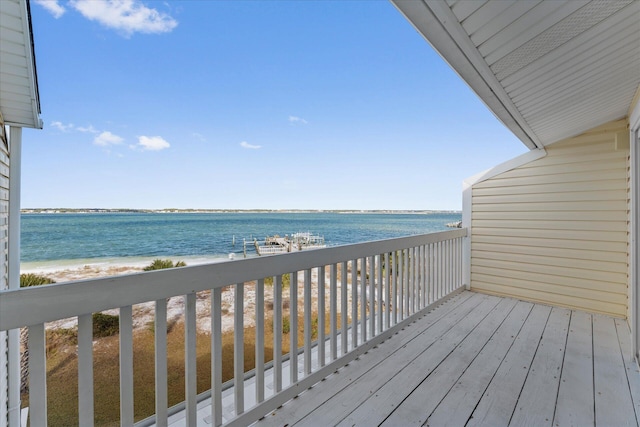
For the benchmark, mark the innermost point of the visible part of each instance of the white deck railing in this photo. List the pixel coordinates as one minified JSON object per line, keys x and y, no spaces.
{"x":392,"y":281}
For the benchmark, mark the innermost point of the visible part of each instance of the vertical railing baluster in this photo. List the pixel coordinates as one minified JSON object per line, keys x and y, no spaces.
{"x":407,"y":281}
{"x":363,"y":300}
{"x":216,"y":357}
{"x":418,"y":273}
{"x":37,"y":376}
{"x":354,"y":303}
{"x":423,"y":281}
{"x":85,"y":369}
{"x":457,"y":263}
{"x":381,"y":299}
{"x":418,"y":295}
{"x":321,"y":316}
{"x":160,"y":343}
{"x":412,"y":279}
{"x":438,"y":276}
{"x":430,"y":271}
{"x":277,"y":334}
{"x":307,"y":321}
{"x":126,"y":366}
{"x":402,"y":284}
{"x":394,"y":279}
{"x":372,"y":297}
{"x":333,"y":304}
{"x":190,"y":357}
{"x":442,"y":269}
{"x":344,"y":315}
{"x":259,"y":340}
{"x":293,"y":328}
{"x":449,"y":267}
{"x":238,"y":347}
{"x":460,"y":261}
{"x":387,"y":284}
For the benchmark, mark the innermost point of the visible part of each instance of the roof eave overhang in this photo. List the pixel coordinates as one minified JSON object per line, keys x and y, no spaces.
{"x":437,"y":24}
{"x":35,"y":120}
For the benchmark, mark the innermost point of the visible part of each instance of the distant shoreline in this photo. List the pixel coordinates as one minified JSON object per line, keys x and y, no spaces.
{"x":161,"y":211}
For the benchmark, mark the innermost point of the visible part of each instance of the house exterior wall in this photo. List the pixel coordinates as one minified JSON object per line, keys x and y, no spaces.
{"x":556,"y":230}
{"x":4,"y":280}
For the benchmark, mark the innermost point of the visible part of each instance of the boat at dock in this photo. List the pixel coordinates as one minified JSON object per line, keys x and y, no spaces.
{"x":289,"y":243}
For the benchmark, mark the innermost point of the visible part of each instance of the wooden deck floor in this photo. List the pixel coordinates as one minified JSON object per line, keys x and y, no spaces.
{"x":479,"y":360}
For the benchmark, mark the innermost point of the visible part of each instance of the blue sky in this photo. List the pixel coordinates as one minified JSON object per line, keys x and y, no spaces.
{"x":249,"y":104}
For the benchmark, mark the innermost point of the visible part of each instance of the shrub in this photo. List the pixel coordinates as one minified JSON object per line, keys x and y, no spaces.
{"x":30,"y":279}
{"x":286,"y":281}
{"x":105,"y":325}
{"x":160,"y":264}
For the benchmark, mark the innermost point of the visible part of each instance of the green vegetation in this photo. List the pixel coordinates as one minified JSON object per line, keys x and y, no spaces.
{"x":160,"y":264}
{"x":30,"y":279}
{"x":286,"y":281}
{"x":105,"y":325}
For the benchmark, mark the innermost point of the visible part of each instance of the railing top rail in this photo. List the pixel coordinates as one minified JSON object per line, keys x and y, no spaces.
{"x":35,"y":305}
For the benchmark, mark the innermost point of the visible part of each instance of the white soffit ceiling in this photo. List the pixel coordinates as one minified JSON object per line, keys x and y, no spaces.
{"x":19,"y":101}
{"x":547,"y":69}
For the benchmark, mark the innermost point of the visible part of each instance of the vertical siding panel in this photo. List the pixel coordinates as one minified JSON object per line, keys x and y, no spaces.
{"x":4,"y":279}
{"x":567,"y":206}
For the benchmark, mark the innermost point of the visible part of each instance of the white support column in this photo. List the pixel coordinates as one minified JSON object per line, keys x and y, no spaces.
{"x":466,"y":242}
{"x":15,"y":151}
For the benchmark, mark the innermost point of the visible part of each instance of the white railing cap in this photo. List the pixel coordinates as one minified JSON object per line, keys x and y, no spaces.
{"x":35,"y":305}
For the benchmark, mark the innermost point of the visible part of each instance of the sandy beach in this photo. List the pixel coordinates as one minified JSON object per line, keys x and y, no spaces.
{"x":144,"y":313}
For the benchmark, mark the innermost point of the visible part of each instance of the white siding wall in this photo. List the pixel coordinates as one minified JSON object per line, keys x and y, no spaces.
{"x":556,"y":230}
{"x":4,"y":283}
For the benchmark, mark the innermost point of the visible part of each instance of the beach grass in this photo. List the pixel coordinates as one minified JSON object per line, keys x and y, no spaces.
{"x":62,"y":369}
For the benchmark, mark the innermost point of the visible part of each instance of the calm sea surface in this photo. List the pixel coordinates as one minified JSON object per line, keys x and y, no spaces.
{"x":57,"y":237}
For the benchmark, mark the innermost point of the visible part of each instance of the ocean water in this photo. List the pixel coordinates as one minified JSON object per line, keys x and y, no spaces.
{"x":120,"y":237}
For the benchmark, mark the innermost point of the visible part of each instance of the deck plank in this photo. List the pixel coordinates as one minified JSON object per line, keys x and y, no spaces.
{"x":612,"y":407}
{"x":398,"y":373}
{"x":458,"y":405}
{"x":574,"y":406}
{"x":633,"y":372}
{"x":499,"y":400}
{"x":536,"y":404}
{"x":480,"y":360}
{"x":458,"y":307}
{"x":425,"y":397}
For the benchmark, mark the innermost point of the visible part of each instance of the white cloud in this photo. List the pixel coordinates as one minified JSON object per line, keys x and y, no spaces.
{"x":294,"y":119}
{"x":152,"y":143}
{"x":88,"y":129}
{"x":126,"y":16}
{"x":53,"y":7}
{"x":245,"y":144}
{"x":106,"y":139}
{"x":61,"y":126}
